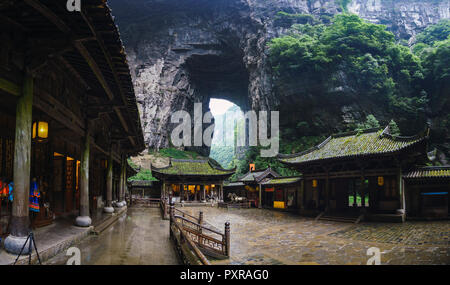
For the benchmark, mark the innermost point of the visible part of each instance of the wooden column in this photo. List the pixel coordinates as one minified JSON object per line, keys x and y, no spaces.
{"x":181,"y":192}
{"x":327,"y":192}
{"x":109,"y":184}
{"x":204,"y":192}
{"x":19,"y":226}
{"x":83,"y":220}
{"x":260,"y":196}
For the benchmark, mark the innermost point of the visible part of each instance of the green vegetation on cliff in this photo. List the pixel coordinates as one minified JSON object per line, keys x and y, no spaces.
{"x":351,"y":60}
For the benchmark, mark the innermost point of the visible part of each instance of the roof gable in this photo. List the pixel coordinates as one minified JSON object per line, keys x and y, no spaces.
{"x":258,"y":175}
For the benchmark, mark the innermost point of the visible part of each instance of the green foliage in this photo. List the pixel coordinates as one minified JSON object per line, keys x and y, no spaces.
{"x":351,"y":53}
{"x":370,"y":123}
{"x":395,"y":131}
{"x":222,"y":154}
{"x":178,"y":154}
{"x":145,"y":174}
{"x":434,"y":33}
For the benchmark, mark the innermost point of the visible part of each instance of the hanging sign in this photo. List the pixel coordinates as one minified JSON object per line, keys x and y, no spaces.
{"x":380,"y":180}
{"x":314,"y":183}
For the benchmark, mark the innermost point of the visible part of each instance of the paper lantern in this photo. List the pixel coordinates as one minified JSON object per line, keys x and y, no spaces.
{"x":40,"y":130}
{"x":380,"y":180}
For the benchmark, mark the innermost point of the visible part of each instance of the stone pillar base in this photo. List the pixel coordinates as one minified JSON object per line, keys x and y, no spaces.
{"x":14,"y":245}
{"x":83,"y":221}
{"x":108,"y":210}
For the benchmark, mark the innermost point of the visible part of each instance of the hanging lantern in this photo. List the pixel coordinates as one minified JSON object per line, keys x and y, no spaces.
{"x":40,"y":131}
{"x":314,"y":183}
{"x":380,"y":180}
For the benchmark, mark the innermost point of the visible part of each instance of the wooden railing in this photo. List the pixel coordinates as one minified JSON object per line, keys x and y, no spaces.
{"x":185,"y":245}
{"x":164,"y":206}
{"x":210,"y":241}
{"x":145,"y":202}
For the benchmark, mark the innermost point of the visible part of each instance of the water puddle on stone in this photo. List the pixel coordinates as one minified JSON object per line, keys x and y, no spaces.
{"x":139,"y":237}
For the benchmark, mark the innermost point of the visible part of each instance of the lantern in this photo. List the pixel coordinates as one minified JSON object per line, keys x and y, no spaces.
{"x":40,"y":131}
{"x":380,"y":180}
{"x":314,"y":183}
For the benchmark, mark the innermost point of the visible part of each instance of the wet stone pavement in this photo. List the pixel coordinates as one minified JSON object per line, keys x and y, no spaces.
{"x":262,"y":237}
{"x":138,"y":237}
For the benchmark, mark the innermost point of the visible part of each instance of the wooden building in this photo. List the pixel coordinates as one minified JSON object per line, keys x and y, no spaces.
{"x":281,"y":193}
{"x":68,"y":117}
{"x":427,"y":192}
{"x":358,"y":173}
{"x":249,"y":185}
{"x":192,"y":180}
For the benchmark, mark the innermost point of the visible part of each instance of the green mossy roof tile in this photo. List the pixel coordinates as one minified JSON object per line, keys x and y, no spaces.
{"x":367,"y":143}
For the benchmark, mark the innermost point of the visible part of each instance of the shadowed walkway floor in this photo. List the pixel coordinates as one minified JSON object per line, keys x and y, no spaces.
{"x":138,"y":237}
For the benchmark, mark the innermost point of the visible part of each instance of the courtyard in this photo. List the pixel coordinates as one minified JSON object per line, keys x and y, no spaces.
{"x":263,"y":237}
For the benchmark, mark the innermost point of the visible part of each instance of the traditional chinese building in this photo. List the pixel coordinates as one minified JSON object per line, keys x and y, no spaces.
{"x":281,"y":192}
{"x":190,"y":180}
{"x":249,"y":185}
{"x":68,"y":118}
{"x":427,"y":192}
{"x":358,"y":173}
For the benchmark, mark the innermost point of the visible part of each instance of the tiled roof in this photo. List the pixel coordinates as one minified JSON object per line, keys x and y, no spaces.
{"x":142,"y":183}
{"x":233,"y":184}
{"x":257,"y":175}
{"x":281,"y":180}
{"x":429,"y":172}
{"x":192,"y":167}
{"x":369,"y":142}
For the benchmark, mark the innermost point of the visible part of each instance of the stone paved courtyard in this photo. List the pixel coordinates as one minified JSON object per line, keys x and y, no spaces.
{"x":261,"y":236}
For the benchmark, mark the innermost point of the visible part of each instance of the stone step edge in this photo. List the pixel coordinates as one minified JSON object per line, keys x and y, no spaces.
{"x":108,"y":222}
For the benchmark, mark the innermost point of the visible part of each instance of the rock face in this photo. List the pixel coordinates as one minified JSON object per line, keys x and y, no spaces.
{"x":187,"y":51}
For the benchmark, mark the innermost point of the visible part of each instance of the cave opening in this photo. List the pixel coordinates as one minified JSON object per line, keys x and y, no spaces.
{"x":227,"y":118}
{"x":221,"y":82}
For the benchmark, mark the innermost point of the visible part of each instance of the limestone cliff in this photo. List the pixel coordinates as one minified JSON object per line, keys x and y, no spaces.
{"x":186,"y":51}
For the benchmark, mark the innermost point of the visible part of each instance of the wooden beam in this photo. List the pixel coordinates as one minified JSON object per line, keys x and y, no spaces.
{"x":52,"y":17}
{"x":102,"y":45}
{"x":10,"y":87}
{"x":85,"y":53}
{"x":95,"y":68}
{"x":73,"y":71}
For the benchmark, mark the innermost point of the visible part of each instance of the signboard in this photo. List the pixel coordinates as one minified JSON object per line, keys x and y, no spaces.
{"x":278,"y":204}
{"x":314,"y":183}
{"x":270,"y":189}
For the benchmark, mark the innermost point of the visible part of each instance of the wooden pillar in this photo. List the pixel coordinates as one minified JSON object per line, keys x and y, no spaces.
{"x":260,"y":196}
{"x":401,"y":189}
{"x":19,"y":225}
{"x":181,"y":192}
{"x":109,"y":184}
{"x":83,"y":220}
{"x":204,"y":192}
{"x":327,"y":192}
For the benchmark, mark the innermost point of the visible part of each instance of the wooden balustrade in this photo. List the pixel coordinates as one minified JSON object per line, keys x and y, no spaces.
{"x":209,"y":241}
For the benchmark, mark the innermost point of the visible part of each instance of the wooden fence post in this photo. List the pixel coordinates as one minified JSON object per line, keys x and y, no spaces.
{"x":227,"y":239}
{"x":171,"y":216}
{"x":200,"y":217}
